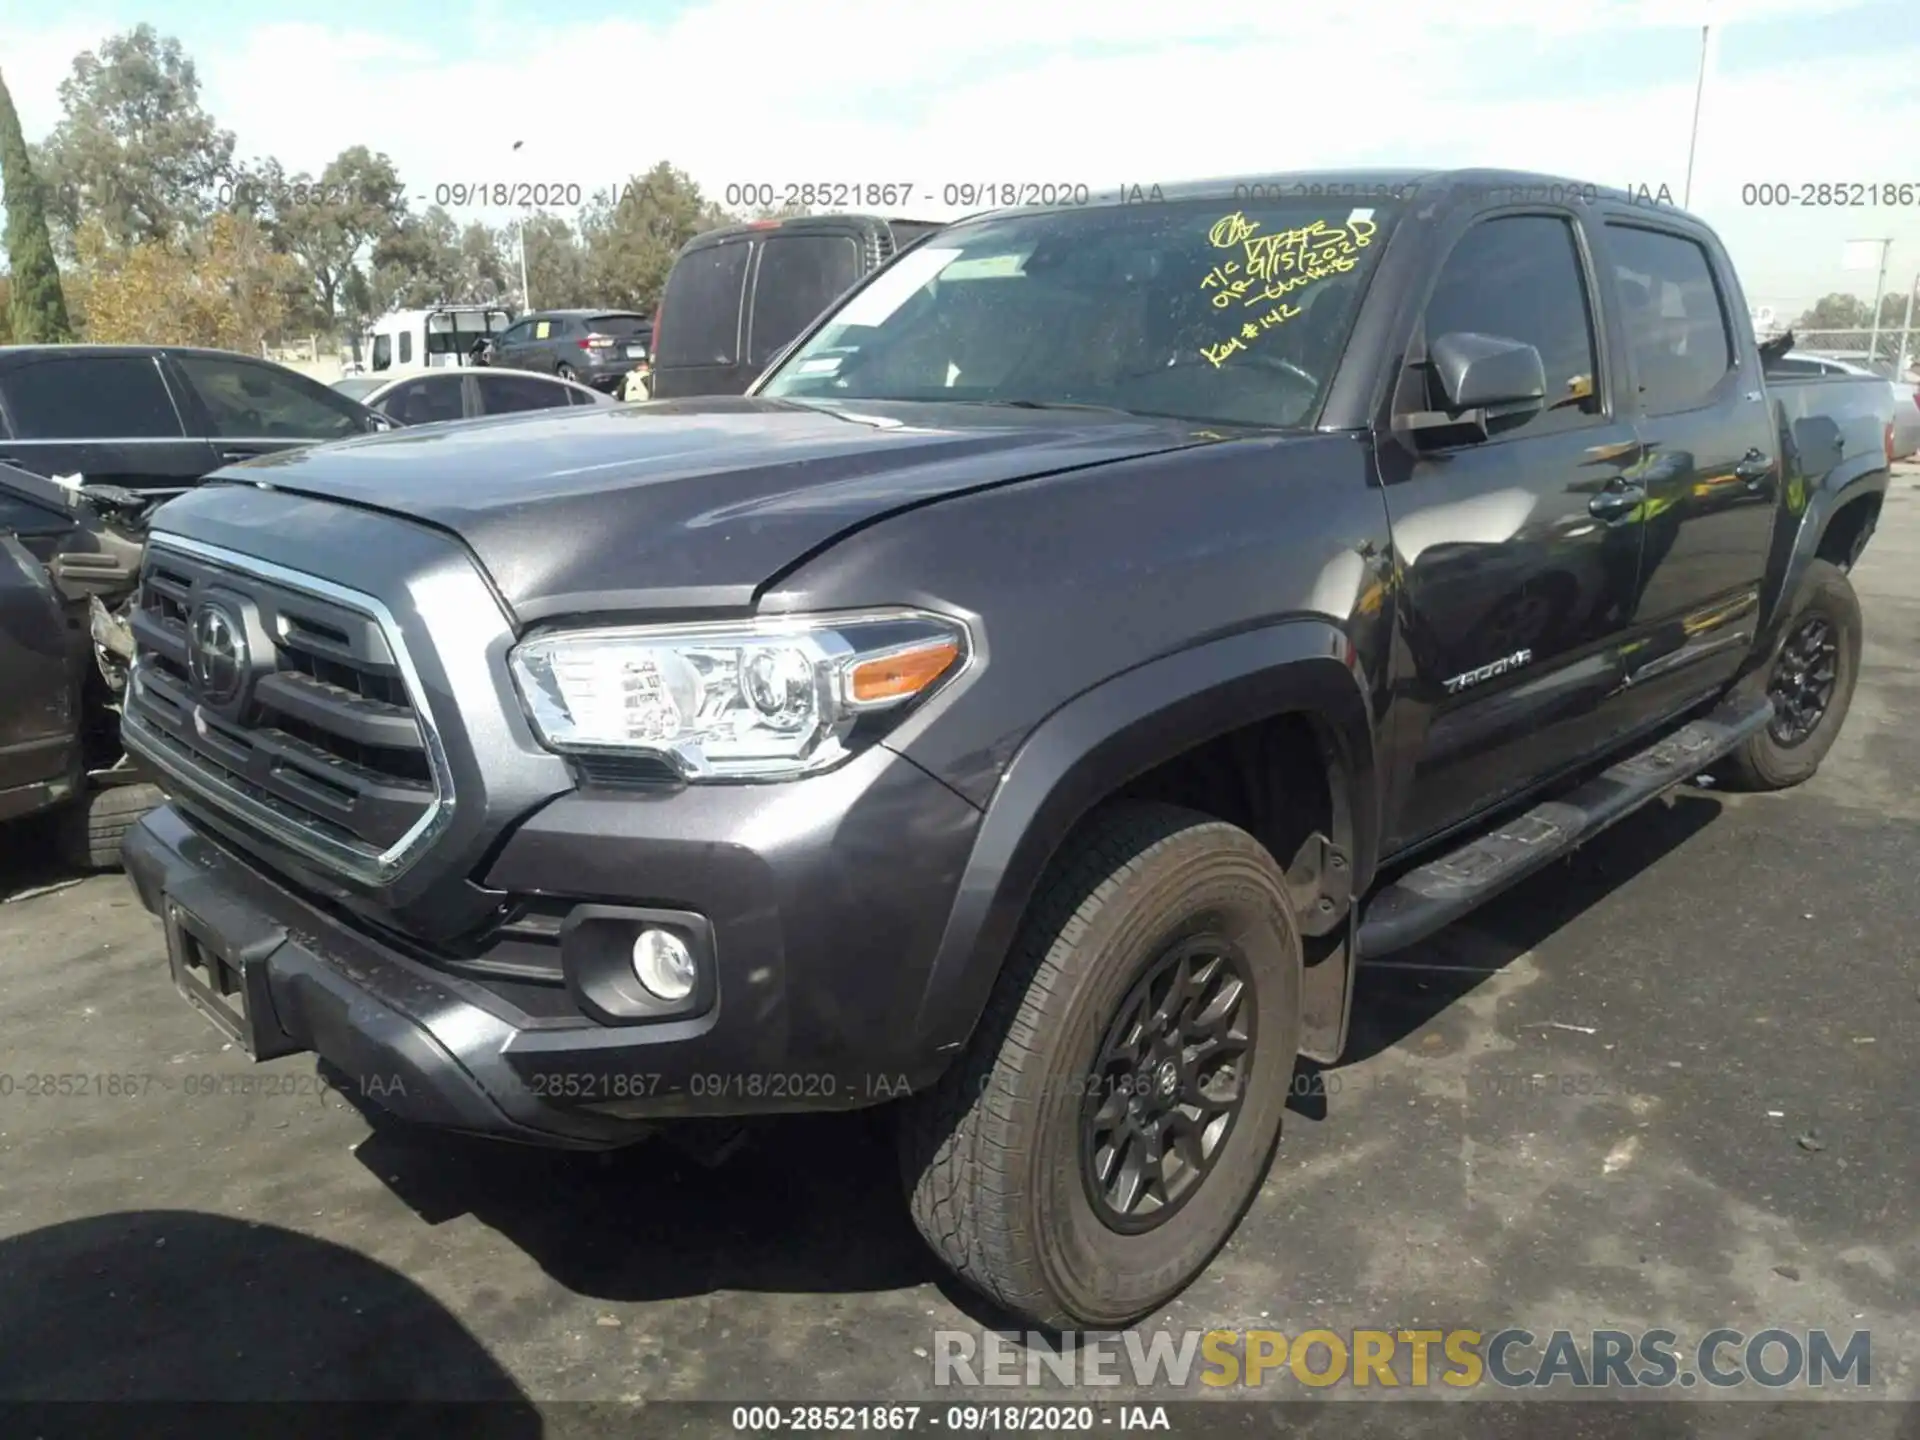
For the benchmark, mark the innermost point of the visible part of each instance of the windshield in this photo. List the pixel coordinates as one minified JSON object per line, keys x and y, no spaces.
{"x":1201,"y":310}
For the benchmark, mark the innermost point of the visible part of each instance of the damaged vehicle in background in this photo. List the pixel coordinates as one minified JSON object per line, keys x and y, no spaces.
{"x":67,"y":559}
{"x":93,"y":440}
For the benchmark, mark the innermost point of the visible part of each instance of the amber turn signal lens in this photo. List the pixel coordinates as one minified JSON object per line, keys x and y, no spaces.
{"x":893,"y":677}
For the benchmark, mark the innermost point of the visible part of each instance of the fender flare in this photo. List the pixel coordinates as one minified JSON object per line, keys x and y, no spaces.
{"x":1120,"y":729}
{"x":1823,"y":503}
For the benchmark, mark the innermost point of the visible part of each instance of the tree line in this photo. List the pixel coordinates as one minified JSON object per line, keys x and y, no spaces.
{"x":136,"y":220}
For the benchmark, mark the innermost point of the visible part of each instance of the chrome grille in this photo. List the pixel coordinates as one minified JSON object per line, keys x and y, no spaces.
{"x":320,"y":743}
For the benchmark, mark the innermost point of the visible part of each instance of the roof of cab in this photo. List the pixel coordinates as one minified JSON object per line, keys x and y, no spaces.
{"x":1384,"y":185}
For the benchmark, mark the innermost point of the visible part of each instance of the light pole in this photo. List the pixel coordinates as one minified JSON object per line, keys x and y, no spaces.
{"x":1906,"y":332}
{"x":1699,"y":93}
{"x":526,"y":295}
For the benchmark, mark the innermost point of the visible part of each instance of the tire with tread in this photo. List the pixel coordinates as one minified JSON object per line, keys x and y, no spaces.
{"x":91,"y":829}
{"x":1761,"y":762}
{"x":990,"y":1153}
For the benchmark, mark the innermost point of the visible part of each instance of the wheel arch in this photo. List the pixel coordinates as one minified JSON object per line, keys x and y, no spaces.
{"x":1839,"y":515}
{"x":1304,"y":675}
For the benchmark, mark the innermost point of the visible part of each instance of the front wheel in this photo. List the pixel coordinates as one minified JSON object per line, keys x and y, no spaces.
{"x":1118,"y":1106}
{"x":1810,"y":681}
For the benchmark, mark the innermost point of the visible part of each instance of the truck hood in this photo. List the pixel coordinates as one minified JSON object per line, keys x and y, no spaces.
{"x":689,"y":504}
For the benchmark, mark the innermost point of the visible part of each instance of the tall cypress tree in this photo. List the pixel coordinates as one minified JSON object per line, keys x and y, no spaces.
{"x":39,"y":307}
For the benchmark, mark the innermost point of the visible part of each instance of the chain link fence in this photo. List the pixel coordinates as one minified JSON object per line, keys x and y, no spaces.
{"x":1889,"y":351}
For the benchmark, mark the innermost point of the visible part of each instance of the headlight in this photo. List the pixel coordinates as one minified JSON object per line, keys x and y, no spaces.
{"x":761,"y":699}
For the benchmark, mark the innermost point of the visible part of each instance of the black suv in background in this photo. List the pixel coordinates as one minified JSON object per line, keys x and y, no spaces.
{"x":739,"y":294}
{"x":594,"y":347}
{"x":158,"y":417}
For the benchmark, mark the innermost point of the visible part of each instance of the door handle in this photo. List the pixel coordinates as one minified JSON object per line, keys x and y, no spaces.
{"x":233,"y":455}
{"x":1616,"y":500}
{"x":1754,"y":467}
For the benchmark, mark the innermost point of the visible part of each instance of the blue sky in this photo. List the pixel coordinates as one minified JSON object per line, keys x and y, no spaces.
{"x":1080,"y":91}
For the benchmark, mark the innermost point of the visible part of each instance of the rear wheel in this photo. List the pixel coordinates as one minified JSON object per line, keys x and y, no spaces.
{"x":1810,"y":681}
{"x":1119,"y":1104}
{"x":564,"y":371}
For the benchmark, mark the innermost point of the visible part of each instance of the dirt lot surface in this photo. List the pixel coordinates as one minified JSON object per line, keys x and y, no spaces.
{"x":1670,"y":1083}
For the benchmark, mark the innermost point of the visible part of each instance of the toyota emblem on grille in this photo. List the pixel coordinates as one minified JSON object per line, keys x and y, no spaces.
{"x":216,"y":653}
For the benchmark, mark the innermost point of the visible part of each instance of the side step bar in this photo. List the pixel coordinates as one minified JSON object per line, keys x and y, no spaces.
{"x":1441,"y":891}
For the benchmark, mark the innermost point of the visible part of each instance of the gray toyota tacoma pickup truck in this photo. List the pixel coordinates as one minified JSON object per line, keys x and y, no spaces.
{"x":1100,"y":632}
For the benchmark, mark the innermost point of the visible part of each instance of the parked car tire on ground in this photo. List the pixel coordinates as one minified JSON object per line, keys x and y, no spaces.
{"x":1810,"y":680}
{"x":90,"y":831}
{"x":1154,"y":914}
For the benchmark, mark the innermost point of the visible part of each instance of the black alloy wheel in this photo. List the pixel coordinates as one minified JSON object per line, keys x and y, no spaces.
{"x":1168,"y":1084}
{"x":1802,"y":684}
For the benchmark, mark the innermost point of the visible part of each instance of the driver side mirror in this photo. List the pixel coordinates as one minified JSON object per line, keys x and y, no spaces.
{"x":1482,"y":378}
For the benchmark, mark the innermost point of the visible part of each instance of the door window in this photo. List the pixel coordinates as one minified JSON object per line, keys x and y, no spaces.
{"x":1675,"y":322}
{"x":1519,"y":277}
{"x":800,"y":276}
{"x":703,"y":295}
{"x":515,"y":334}
{"x":422,"y":402}
{"x":501,"y":394}
{"x":103,"y":397}
{"x":406,"y":347}
{"x":249,"y":401}
{"x":382,"y":352}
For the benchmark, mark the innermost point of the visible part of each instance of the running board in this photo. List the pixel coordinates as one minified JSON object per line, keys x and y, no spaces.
{"x":1441,"y":891}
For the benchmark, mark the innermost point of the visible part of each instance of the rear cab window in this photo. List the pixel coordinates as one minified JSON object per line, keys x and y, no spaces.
{"x":90,"y":397}
{"x":702,"y":304}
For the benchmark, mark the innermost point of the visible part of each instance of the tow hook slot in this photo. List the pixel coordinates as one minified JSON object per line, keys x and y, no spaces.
{"x":1321,"y":882}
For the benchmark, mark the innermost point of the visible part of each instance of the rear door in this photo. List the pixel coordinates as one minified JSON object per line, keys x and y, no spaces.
{"x":248,"y":408}
{"x":113,"y":419}
{"x":503,"y":394}
{"x":796,"y":278}
{"x":698,"y":345}
{"x":1709,"y":471}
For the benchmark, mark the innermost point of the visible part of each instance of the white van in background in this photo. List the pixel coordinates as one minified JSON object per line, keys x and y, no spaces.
{"x":405,"y":342}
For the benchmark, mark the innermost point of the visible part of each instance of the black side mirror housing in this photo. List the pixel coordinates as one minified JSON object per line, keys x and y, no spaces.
{"x":1482,"y":378}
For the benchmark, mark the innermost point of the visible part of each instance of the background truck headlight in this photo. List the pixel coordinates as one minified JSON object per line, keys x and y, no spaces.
{"x":750,"y":699}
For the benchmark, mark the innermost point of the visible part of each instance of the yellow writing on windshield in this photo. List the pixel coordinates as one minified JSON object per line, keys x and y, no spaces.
{"x":1250,"y":330}
{"x":1230,"y":230}
{"x":1267,"y":267}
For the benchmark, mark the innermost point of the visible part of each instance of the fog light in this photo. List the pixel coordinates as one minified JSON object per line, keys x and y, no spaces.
{"x":664,"y":964}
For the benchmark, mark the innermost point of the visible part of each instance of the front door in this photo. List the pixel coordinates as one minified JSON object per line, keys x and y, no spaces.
{"x":1517,"y":559}
{"x":249,"y":408}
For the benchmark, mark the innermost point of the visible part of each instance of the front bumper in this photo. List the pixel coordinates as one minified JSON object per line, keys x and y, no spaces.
{"x":826,"y":900}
